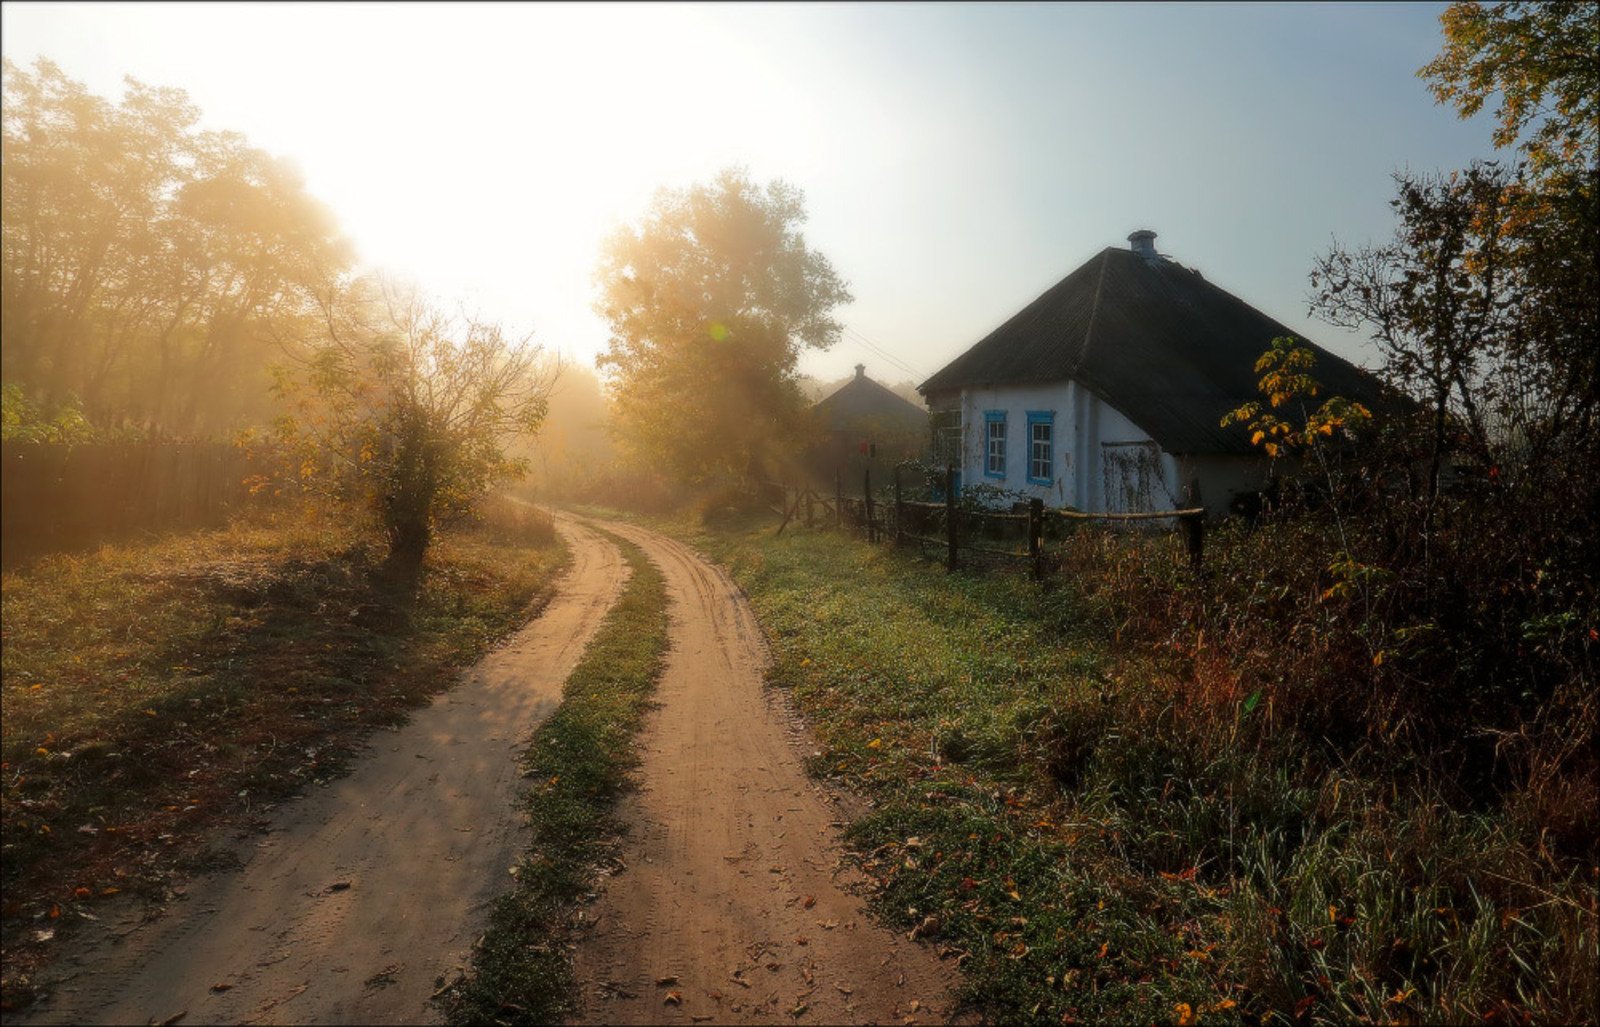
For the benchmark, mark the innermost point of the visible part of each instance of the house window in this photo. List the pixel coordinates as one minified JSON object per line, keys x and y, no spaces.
{"x":1041,"y":446}
{"x":994,"y":444}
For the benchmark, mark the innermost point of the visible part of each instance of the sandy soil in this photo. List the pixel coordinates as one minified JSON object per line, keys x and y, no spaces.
{"x":365,"y":894}
{"x":731,"y":907}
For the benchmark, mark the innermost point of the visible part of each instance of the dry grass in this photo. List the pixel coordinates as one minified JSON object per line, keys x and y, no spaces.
{"x":155,"y":693}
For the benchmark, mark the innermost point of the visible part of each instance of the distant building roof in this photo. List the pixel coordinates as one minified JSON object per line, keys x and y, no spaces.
{"x":862,"y":400}
{"x":1152,"y":338}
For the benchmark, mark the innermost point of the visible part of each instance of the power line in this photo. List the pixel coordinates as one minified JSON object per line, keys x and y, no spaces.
{"x":878,"y":347}
{"x":883,"y":354}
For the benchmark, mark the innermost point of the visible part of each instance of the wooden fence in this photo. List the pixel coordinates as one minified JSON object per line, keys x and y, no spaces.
{"x":949,"y":526}
{"x":55,"y":497}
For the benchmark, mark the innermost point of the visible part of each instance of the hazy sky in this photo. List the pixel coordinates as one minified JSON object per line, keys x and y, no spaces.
{"x":957,"y":160}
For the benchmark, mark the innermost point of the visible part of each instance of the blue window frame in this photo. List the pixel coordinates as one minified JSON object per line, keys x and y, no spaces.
{"x":994,"y":444}
{"x":1041,"y":446}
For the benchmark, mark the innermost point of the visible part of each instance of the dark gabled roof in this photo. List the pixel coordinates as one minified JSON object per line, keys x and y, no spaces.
{"x":1153,"y":339}
{"x":863,"y":400}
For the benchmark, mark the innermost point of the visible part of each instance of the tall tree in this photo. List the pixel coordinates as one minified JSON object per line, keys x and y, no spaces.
{"x":1540,"y":58}
{"x":147,"y":264}
{"x":710,"y":299}
{"x":1486,"y":304}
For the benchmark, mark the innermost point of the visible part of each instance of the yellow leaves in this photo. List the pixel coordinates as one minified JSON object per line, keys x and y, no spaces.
{"x":1256,"y":437}
{"x":1183,"y":1014}
{"x":876,"y":743}
{"x":1377,"y":658}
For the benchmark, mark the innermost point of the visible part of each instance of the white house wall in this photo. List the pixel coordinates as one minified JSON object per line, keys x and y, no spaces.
{"x":1222,"y":477}
{"x":1083,"y":425}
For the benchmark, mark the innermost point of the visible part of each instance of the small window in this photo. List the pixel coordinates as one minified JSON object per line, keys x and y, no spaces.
{"x":1041,"y":446}
{"x":994,"y":444}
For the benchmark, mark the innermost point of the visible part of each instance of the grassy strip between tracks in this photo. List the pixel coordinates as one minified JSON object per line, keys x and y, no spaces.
{"x":579,"y":763}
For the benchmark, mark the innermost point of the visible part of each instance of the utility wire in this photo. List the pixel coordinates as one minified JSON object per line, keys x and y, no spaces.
{"x":914,"y":371}
{"x":883,"y":354}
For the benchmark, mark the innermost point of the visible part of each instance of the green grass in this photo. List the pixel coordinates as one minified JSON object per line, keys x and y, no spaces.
{"x":1107,"y":836}
{"x":580,"y":760}
{"x":155,"y":693}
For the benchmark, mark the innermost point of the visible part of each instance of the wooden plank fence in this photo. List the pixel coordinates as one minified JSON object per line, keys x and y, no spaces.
{"x":906,"y":521}
{"x":63,"y":497}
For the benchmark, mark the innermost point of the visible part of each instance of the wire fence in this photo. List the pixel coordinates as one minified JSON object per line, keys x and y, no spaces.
{"x":960,"y":531}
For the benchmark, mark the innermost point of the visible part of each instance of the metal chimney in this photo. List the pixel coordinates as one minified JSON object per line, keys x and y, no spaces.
{"x":861,"y":370}
{"x":1143,"y":242}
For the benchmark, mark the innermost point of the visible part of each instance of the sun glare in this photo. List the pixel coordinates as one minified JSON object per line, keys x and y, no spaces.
{"x":586,"y":113}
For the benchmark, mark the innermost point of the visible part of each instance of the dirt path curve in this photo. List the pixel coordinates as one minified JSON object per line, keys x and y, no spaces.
{"x":730,"y":884}
{"x":363,"y":894}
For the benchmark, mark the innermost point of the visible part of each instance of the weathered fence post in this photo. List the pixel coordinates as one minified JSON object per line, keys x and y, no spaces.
{"x":1195,"y":525}
{"x":899,"y":511}
{"x":866,"y":503}
{"x":950,"y":514}
{"x":788,"y":510}
{"x":1036,"y":537}
{"x":838,"y":500}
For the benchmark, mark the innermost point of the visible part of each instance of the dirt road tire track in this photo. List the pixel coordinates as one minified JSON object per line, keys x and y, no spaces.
{"x":362,"y":894}
{"x":732,"y":893}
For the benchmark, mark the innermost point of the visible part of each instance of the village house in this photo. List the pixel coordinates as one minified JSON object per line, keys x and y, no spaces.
{"x":1106,"y":393}
{"x":863,"y":425}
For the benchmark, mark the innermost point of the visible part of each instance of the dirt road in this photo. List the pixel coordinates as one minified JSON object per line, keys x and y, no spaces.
{"x":364,"y":895}
{"x":729,"y":909}
{"x":366,"y":892}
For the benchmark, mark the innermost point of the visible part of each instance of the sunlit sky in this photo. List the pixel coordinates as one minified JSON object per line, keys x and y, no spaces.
{"x":956,"y":160}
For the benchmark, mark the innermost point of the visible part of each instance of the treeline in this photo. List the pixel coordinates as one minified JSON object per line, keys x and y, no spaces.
{"x":165,"y":283}
{"x":151,"y":269}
